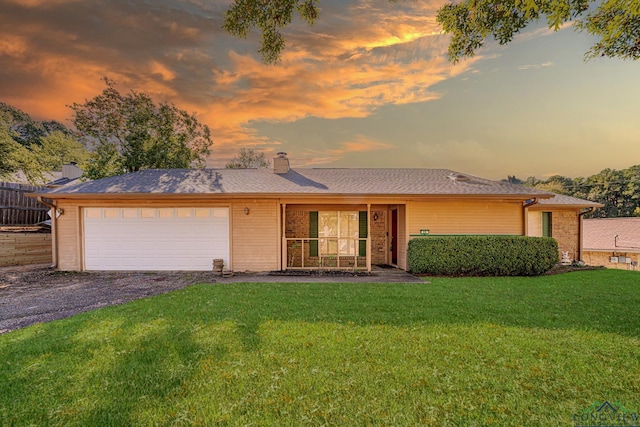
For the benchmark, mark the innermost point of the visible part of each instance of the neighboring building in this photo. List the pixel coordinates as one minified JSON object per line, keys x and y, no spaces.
{"x":263,"y":219}
{"x":612,"y":242}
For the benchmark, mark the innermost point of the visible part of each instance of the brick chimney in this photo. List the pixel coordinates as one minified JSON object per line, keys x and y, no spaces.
{"x":281,"y":163}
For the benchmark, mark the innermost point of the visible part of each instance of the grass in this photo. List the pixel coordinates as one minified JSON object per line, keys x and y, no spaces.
{"x":465,"y":351}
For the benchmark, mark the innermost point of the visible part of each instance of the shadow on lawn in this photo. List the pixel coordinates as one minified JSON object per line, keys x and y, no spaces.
{"x":113,"y":364}
{"x":117,"y":376}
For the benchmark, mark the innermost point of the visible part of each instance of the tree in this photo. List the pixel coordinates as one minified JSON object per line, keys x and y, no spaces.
{"x":247,"y":158}
{"x":58,"y":148}
{"x":269,"y":17}
{"x":27,"y":131}
{"x":470,"y":22}
{"x":34,"y":148}
{"x":512,"y":179}
{"x":13,"y":156}
{"x":617,"y":190}
{"x":131,"y":132}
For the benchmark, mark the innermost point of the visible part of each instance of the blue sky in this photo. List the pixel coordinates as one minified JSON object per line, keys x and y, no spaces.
{"x":368,"y":86}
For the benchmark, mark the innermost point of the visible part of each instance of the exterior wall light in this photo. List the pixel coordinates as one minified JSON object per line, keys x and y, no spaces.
{"x":246,"y":211}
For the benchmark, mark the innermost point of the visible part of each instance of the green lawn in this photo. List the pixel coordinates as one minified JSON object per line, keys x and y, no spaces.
{"x":464,"y":352}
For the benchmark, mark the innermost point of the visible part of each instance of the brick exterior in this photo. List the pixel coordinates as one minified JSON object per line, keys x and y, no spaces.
{"x":379,"y":246}
{"x":297,"y":226}
{"x":604,"y":259}
{"x":565,"y":229}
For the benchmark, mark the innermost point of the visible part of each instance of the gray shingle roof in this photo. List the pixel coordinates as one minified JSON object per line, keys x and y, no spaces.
{"x":562,"y":200}
{"x":600,"y":234}
{"x":298,"y":181}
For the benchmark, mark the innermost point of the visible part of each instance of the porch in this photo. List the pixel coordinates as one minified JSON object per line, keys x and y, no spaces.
{"x":338,"y":237}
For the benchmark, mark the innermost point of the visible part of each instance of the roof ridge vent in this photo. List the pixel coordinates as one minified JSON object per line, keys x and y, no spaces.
{"x":455,"y":177}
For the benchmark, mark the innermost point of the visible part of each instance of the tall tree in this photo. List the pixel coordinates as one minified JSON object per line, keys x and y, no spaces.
{"x":57,"y":149}
{"x":616,"y":23}
{"x":247,"y":158}
{"x":131,"y":132}
{"x":27,"y":131}
{"x":15,"y":157}
{"x":617,"y":190}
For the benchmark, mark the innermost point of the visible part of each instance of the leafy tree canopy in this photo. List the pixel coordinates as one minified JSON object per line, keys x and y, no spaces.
{"x":617,"y":190}
{"x":616,"y":23}
{"x":27,"y":131}
{"x":34,"y":154}
{"x":12,"y":154}
{"x":269,"y":17}
{"x":57,"y":149}
{"x":247,"y":158}
{"x":131,"y":132}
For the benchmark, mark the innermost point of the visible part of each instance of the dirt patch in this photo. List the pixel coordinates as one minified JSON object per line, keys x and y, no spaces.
{"x":33,"y":294}
{"x":332,"y":273}
{"x":560,"y":269}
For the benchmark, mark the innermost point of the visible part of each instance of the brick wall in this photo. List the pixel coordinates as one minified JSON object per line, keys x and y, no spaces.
{"x":565,"y":229}
{"x":604,"y":259}
{"x":379,"y":245}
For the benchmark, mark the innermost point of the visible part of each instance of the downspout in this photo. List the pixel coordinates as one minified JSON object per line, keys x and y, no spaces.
{"x":580,"y":218}
{"x":54,"y":226}
{"x":525,"y":219}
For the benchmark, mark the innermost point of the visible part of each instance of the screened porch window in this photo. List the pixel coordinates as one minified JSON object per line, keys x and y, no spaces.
{"x":337,"y":232}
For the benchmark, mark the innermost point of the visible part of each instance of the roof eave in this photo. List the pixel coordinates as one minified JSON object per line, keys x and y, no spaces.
{"x":55,"y":195}
{"x":566,"y":206}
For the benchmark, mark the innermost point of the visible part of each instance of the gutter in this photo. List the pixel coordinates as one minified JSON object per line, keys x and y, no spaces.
{"x":54,"y":225}
{"x":580,"y":230}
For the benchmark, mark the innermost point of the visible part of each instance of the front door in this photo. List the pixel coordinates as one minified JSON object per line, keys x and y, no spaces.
{"x":394,"y":237}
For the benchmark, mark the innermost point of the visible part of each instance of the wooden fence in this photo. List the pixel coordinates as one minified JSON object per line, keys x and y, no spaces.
{"x":18,"y":209}
{"x":25,"y":248}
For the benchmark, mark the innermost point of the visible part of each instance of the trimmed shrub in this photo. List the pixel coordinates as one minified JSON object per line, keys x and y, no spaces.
{"x":482,"y":255}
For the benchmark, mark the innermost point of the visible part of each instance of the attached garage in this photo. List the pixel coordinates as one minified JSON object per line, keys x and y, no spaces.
{"x":147,"y":238}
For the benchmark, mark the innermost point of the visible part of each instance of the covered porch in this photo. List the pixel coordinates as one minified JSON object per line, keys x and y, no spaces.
{"x":338,"y":236}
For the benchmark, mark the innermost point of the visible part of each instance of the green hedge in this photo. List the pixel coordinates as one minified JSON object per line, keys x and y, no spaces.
{"x":482,"y":255}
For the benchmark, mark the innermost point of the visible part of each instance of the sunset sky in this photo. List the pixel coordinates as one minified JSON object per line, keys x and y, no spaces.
{"x":368,"y":86}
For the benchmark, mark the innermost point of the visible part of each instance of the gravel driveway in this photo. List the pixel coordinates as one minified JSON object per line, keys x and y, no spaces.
{"x":37,"y":293}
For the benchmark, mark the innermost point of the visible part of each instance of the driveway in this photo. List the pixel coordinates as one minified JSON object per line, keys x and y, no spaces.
{"x":37,"y":293}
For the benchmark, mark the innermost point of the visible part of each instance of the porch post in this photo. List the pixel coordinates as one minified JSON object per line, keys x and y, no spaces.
{"x":283,"y":262}
{"x":369,"y":237}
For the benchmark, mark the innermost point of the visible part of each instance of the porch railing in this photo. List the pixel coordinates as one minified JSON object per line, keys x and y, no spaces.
{"x":298,"y":254}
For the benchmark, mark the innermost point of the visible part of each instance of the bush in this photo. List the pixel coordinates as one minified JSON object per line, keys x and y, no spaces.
{"x":482,"y":255}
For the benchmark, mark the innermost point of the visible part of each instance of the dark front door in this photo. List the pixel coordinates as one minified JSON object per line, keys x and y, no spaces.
{"x":394,"y":237}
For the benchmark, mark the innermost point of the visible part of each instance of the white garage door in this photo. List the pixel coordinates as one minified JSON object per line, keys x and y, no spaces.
{"x":155,"y":238}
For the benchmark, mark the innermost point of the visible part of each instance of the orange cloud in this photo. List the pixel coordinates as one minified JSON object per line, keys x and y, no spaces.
{"x":161,"y":70}
{"x":13,"y":46}
{"x":356,"y":60}
{"x":360,"y":144}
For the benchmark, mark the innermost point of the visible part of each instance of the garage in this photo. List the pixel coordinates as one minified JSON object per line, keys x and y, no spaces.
{"x":143,"y":238}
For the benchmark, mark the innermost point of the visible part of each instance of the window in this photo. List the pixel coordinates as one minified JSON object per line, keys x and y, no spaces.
{"x":338,"y":232}
{"x":546,"y":224}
